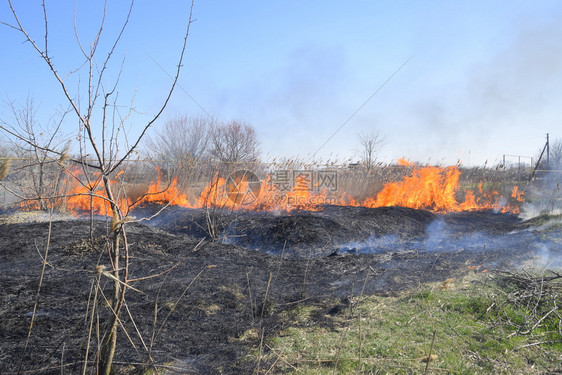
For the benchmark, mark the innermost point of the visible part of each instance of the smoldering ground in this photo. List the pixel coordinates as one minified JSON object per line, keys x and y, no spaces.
{"x":218,"y":292}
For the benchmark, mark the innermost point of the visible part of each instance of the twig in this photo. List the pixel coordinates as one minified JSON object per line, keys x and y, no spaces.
{"x":281,"y":358}
{"x":44,"y":262}
{"x":429,"y":357}
{"x":252,"y":308}
{"x":260,"y":353}
{"x":344,"y":332}
{"x":265,"y":296}
{"x":196,"y":248}
{"x":181,"y":296}
{"x":135,"y":326}
{"x":109,"y":275}
{"x":94,"y":304}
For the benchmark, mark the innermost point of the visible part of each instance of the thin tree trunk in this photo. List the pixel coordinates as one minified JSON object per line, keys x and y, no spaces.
{"x":91,"y":218}
{"x":42,"y":205}
{"x":110,"y":342}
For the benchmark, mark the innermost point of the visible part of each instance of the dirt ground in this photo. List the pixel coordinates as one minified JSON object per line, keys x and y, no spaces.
{"x":223,"y":294}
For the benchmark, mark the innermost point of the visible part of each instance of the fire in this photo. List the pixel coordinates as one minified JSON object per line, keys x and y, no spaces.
{"x":518,"y":195}
{"x":435,"y":189}
{"x":404,"y":163}
{"x":164,"y":193}
{"x":90,"y":196}
{"x":241,"y":194}
{"x":430,"y":187}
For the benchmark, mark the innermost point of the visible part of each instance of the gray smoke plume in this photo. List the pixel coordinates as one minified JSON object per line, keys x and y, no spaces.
{"x":529,"y":247}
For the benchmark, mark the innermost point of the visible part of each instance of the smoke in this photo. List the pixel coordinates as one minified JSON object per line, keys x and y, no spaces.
{"x":546,"y":257}
{"x":505,"y":97}
{"x":543,"y":196}
{"x":522,"y":79}
{"x":524,"y":248}
{"x":305,"y":96}
{"x":310,"y":80}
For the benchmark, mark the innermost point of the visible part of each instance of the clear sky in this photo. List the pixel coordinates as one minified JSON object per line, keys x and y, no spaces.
{"x":485,"y":77}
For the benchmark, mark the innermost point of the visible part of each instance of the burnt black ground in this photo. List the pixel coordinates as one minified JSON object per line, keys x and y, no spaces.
{"x":316,"y":258}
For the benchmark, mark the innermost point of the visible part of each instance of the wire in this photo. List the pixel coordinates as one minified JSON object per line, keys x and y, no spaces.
{"x":363,"y":105}
{"x":184,"y":91}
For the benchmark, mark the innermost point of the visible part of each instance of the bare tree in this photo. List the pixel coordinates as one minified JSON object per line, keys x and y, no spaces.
{"x":180,"y":145}
{"x":104,"y":147}
{"x":233,"y":143}
{"x":555,"y":157}
{"x":5,"y":158}
{"x":370,"y":146}
{"x":5,"y":162}
{"x":39,"y":174}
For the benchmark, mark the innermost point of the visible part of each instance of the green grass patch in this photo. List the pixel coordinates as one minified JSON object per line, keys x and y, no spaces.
{"x":476,"y":325}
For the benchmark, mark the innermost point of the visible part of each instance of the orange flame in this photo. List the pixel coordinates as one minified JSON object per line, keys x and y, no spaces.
{"x":404,"y":163}
{"x":432,"y":188}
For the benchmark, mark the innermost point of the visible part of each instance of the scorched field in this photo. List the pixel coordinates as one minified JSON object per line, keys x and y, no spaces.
{"x":216,"y":288}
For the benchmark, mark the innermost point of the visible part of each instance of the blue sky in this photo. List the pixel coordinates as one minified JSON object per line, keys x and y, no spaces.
{"x":485,"y":77}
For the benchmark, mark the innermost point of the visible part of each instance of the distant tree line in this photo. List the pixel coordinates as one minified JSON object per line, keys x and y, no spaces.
{"x":184,"y":142}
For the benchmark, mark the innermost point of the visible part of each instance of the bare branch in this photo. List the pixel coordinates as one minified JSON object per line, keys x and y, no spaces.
{"x":370,"y":147}
{"x":45,"y":57}
{"x":164,"y":105}
{"x":180,"y":144}
{"x":112,"y":50}
{"x":46,"y":28}
{"x":106,"y":155}
{"x":76,"y":31}
{"x":234,"y":143}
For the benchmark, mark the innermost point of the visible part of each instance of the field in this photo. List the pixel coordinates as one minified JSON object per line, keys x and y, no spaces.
{"x":360,"y":286}
{"x":328,"y":296}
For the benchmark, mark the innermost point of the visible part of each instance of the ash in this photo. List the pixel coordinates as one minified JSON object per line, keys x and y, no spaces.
{"x":263,"y":265}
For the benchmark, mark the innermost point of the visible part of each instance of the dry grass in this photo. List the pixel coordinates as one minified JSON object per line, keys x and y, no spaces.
{"x":357,"y":183}
{"x":443,"y":328}
{"x":4,"y":168}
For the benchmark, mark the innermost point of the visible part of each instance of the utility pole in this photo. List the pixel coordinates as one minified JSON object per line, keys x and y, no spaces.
{"x":547,"y":151}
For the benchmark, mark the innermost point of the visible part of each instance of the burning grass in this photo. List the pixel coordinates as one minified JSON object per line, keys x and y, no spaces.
{"x":438,"y":189}
{"x":470,"y":325}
